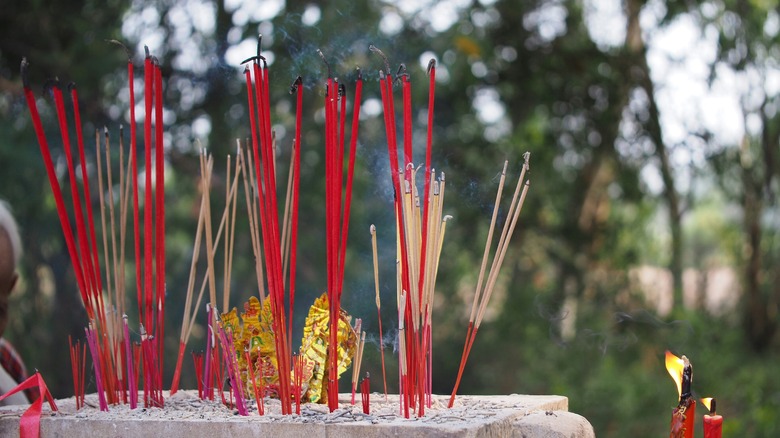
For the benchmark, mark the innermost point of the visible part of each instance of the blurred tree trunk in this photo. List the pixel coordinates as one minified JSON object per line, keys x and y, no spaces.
{"x":636,"y":46}
{"x":760,"y":317}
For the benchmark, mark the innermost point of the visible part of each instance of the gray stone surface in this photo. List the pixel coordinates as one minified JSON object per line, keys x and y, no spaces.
{"x":186,"y":416}
{"x":552,"y":424}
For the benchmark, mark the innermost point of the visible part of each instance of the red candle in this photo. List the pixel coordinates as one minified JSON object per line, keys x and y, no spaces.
{"x":713,"y":423}
{"x":681,"y":371}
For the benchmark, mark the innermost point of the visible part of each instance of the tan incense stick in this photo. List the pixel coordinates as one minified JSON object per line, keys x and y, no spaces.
{"x":250,"y":209}
{"x":486,"y":253}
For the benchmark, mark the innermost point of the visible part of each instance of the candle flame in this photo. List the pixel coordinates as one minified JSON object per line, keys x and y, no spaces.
{"x":675,"y":365}
{"x":706,"y":402}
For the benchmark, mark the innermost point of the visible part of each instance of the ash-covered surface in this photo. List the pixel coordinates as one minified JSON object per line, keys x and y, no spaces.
{"x":186,"y":406}
{"x":184,"y":414}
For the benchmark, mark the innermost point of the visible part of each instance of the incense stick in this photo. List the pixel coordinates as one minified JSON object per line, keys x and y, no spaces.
{"x":503,"y":243}
{"x":372,"y":230}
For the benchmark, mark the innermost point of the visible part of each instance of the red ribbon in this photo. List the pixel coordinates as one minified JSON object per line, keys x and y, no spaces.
{"x":29,"y":424}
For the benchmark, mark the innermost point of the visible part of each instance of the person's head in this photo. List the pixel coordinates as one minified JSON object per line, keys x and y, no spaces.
{"x":10,"y":253}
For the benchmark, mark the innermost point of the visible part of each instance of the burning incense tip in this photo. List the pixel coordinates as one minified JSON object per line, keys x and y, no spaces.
{"x":23,"y":71}
{"x":527,"y":159}
{"x":359,"y":73}
{"x":322,"y":56}
{"x":376,"y":50}
{"x":431,"y":66}
{"x":120,"y":44}
{"x":50,"y":84}
{"x":296,"y":84}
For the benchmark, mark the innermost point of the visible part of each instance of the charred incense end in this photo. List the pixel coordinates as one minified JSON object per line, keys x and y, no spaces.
{"x":402,"y":74}
{"x":122,"y":45}
{"x":105,"y":132}
{"x":259,"y":44}
{"x":506,"y":163}
{"x":527,"y":160}
{"x":322,"y":56}
{"x":251,"y":58}
{"x":23,"y":71}
{"x":146,"y":51}
{"x":431,"y":67}
{"x":376,"y":50}
{"x":372,"y":229}
{"x":71,"y":86}
{"x":342,"y":90}
{"x":359,"y":73}
{"x":50,"y":84}
{"x":296,"y":84}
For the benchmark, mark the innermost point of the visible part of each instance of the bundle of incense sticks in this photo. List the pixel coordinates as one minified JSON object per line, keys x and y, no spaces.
{"x":484,"y":291}
{"x":107,"y":335}
{"x":337,"y":208}
{"x":420,"y":229}
{"x":265,"y":171}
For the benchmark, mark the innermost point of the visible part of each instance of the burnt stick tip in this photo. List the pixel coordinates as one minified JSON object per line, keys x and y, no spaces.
{"x":71,"y":86}
{"x":342,"y":90}
{"x":259,"y":44}
{"x":376,"y":50}
{"x":252,"y":58}
{"x":322,"y":56}
{"x":146,"y":51}
{"x":431,"y":66}
{"x":527,"y":160}
{"x":122,"y":45}
{"x":23,"y":71}
{"x":296,"y":84}
{"x":50,"y":83}
{"x":402,"y":73}
{"x":105,"y":131}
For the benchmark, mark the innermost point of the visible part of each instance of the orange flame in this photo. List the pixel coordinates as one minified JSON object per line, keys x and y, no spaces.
{"x":675,"y":366}
{"x":706,"y":402}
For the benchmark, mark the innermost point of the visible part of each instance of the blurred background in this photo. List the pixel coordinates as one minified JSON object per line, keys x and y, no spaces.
{"x":651,"y":224}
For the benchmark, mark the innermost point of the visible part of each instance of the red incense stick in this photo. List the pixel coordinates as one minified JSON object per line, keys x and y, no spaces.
{"x":297,"y":88}
{"x":147,"y":291}
{"x":55,"y":186}
{"x":85,"y":178}
{"x":86,"y":259}
{"x":159,"y":191}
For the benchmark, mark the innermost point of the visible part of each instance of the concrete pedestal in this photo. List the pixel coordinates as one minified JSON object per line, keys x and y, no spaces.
{"x":186,"y":416}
